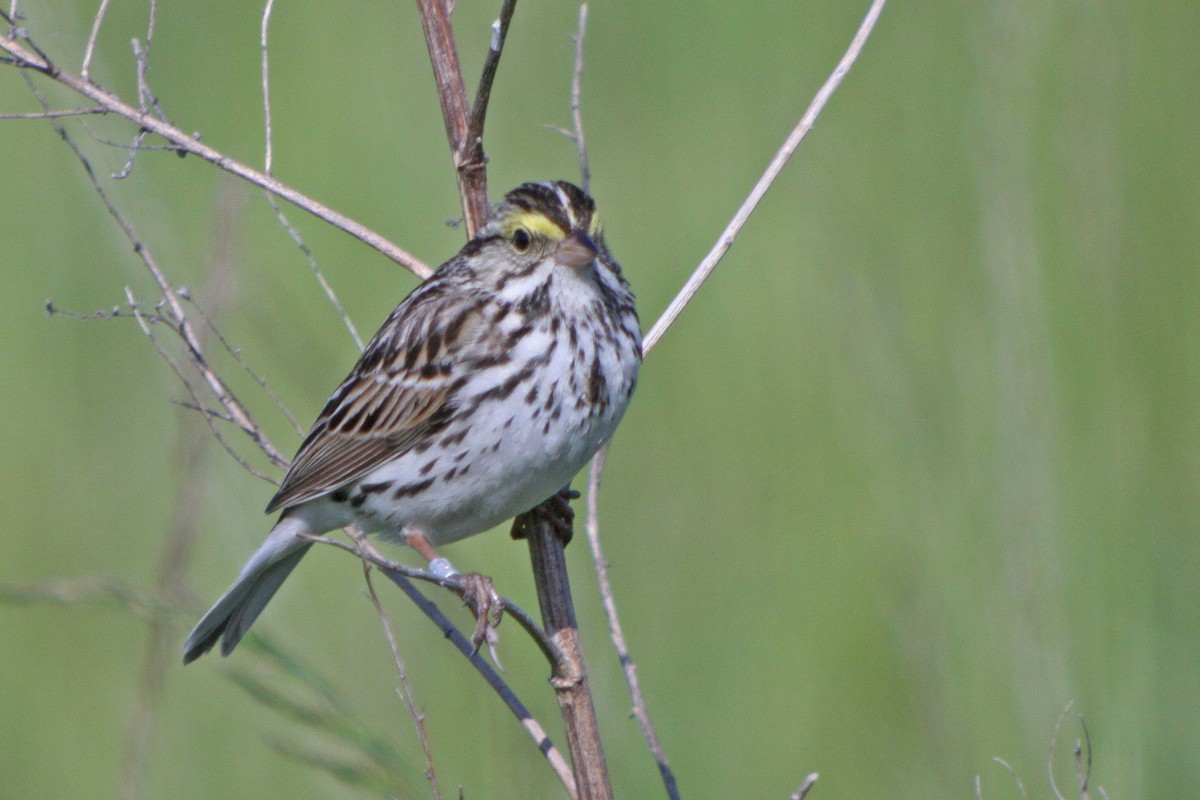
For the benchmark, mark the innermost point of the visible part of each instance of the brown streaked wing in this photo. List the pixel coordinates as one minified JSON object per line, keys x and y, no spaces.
{"x":397,"y":396}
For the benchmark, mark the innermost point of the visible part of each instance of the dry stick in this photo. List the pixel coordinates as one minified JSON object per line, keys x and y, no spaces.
{"x":585,"y":175}
{"x":403,"y":577}
{"x":664,"y":322}
{"x":406,"y":695}
{"x":455,"y":584}
{"x":1012,"y":773}
{"x":600,"y":564}
{"x":473,"y":143}
{"x":617,"y":633}
{"x":91,"y":42}
{"x":177,"y":550}
{"x":464,"y":645}
{"x":802,"y":790}
{"x":147,"y":100}
{"x":29,"y":57}
{"x":209,"y":415}
{"x":772,"y":172}
{"x":452,"y":94}
{"x":233,"y":407}
{"x":538,"y":525}
{"x":1053,"y":746}
{"x":33,"y":58}
{"x":236,"y":354}
{"x":70,"y":112}
{"x":570,"y":679}
{"x":268,"y":164}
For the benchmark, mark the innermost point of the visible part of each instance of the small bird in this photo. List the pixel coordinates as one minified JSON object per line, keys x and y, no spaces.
{"x":482,"y":395}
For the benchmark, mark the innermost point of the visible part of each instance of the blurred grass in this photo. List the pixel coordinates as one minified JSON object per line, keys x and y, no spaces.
{"x":918,"y":466}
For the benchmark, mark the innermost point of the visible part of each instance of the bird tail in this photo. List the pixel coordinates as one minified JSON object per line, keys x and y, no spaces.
{"x":241,"y":604}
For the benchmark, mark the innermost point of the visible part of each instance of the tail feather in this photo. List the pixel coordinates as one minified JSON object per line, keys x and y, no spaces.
{"x":232,"y":615}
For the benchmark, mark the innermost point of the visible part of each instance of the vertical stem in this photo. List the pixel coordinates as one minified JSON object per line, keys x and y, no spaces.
{"x":542,"y":526}
{"x":570,"y":677}
{"x":470,"y":171}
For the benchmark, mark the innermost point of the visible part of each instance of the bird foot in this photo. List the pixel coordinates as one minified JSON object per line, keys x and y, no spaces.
{"x":557,"y":511}
{"x":480,"y":595}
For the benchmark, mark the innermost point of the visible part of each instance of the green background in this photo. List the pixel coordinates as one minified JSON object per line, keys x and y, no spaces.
{"x":918,"y":466}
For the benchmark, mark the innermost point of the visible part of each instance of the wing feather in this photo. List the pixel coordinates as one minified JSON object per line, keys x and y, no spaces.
{"x":399,"y":394}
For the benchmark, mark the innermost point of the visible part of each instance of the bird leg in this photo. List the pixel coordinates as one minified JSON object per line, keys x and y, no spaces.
{"x":477,"y":592}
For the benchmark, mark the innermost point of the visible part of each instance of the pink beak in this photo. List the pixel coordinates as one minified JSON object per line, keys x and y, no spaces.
{"x":577,"y":250}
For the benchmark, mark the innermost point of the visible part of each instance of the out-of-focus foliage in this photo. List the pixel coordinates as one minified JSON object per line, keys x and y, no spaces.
{"x":918,"y":466}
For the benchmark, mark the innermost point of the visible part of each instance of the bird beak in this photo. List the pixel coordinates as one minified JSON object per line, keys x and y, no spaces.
{"x":577,"y":250}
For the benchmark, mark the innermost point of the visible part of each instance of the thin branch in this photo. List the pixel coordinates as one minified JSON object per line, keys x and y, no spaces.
{"x":764,"y":183}
{"x":1053,"y":746}
{"x":177,"y":548}
{"x":147,"y":100}
{"x":1016,"y":778}
{"x":28,"y":56}
{"x":802,"y":791}
{"x":403,"y":575}
{"x":455,"y":584}
{"x":85,"y":70}
{"x":182,"y":326}
{"x":70,"y":112}
{"x":268,"y":156}
{"x":615,"y":630}
{"x":209,"y":416}
{"x":406,"y":695}
{"x":268,"y":163}
{"x":545,"y":530}
{"x":534,"y":728}
{"x":1083,"y":770}
{"x":236,"y":354}
{"x":471,"y":174}
{"x":68,"y":591}
{"x":473,"y":141}
{"x":585,"y":174}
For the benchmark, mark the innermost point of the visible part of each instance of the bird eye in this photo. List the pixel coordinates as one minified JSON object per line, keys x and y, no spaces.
{"x":520,"y":240}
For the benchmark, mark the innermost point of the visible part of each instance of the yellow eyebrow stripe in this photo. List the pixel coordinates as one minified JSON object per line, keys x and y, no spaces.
{"x":535,"y":223}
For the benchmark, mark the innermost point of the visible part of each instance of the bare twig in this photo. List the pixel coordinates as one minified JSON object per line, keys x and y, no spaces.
{"x":802,"y":791}
{"x":405,"y":692}
{"x":1053,"y":746}
{"x":585,"y":175}
{"x":236,"y":354}
{"x":69,"y":112}
{"x":615,"y":630}
{"x":147,"y":100}
{"x":545,"y":546}
{"x":455,"y":584}
{"x":534,"y":728}
{"x":1016,"y":778}
{"x":26,"y":55}
{"x":474,"y":136}
{"x":85,"y":70}
{"x":68,"y":591}
{"x":179,"y":323}
{"x":785,"y":152}
{"x":542,"y":530}
{"x":470,"y":167}
{"x":1083,"y":761}
{"x":177,"y":548}
{"x":209,"y":415}
{"x":267,"y":170}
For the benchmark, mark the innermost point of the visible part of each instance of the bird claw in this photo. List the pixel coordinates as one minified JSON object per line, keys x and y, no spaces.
{"x":480,"y":595}
{"x":557,"y":511}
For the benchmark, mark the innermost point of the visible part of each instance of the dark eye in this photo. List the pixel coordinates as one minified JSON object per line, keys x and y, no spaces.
{"x":520,"y":240}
